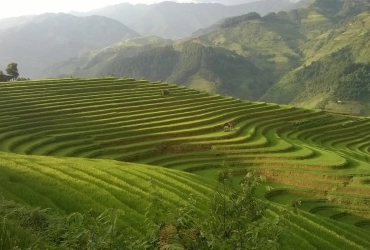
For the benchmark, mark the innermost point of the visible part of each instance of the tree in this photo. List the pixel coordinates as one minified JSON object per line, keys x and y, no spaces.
{"x":237,"y":218}
{"x":1,"y":72}
{"x":12,"y":70}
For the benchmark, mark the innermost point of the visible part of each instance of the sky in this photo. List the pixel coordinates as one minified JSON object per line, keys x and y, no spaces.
{"x":13,"y":8}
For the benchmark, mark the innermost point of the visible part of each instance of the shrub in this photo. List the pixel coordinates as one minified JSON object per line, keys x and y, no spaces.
{"x":235,"y":220}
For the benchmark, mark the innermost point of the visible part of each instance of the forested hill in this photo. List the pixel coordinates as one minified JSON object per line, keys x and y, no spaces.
{"x":336,"y":77}
{"x":52,"y":38}
{"x":214,"y":70}
{"x":211,"y":69}
{"x":335,"y":66}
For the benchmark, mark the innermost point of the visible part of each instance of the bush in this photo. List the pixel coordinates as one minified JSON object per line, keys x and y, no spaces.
{"x":235,"y":220}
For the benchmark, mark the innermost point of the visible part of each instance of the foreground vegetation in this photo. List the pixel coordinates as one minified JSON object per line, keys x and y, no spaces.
{"x":315,"y":162}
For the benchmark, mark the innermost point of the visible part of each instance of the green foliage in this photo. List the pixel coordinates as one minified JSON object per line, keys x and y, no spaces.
{"x":238,"y":219}
{"x":93,"y":232}
{"x":322,"y":76}
{"x":23,"y":227}
{"x":336,"y":77}
{"x":12,"y":69}
{"x":354,"y":84}
{"x":235,"y":220}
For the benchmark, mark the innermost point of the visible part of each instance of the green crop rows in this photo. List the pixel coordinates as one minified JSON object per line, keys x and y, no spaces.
{"x":70,"y":184}
{"x":320,"y":159}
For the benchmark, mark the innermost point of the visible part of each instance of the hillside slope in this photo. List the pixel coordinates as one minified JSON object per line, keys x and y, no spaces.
{"x":271,"y":41}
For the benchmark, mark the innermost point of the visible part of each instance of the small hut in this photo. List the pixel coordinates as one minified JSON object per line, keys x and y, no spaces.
{"x":5,"y":78}
{"x":228,"y":126}
{"x":165,"y":92}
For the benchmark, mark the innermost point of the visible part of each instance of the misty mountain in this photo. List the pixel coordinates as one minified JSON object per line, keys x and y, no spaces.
{"x":6,"y":23}
{"x":51,"y":38}
{"x":178,"y":20}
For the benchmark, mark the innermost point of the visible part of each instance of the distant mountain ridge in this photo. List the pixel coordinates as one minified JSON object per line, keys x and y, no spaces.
{"x":179,"y":20}
{"x":52,"y":38}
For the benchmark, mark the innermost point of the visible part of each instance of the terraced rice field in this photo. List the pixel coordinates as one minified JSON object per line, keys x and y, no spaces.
{"x":317,"y":159}
{"x":68,"y":185}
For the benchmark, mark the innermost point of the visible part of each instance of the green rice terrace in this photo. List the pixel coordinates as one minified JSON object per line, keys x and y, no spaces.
{"x":75,"y":144}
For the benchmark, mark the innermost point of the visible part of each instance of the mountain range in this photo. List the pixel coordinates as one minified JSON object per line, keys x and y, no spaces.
{"x":38,"y":42}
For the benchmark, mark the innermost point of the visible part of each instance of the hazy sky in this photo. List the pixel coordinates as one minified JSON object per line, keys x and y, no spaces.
{"x":12,"y":8}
